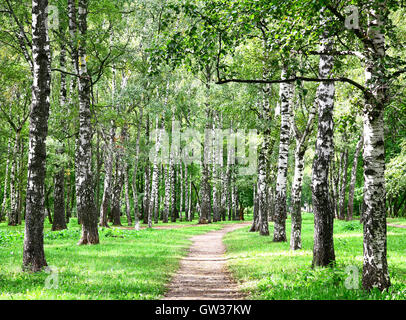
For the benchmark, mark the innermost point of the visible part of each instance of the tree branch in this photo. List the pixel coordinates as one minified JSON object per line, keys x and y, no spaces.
{"x":279,"y":81}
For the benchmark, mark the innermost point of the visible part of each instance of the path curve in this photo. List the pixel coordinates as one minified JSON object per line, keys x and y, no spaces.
{"x":203,"y":274}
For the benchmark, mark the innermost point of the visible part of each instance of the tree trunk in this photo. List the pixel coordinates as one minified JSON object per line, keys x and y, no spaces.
{"x":181,"y":192}
{"x":215,"y":161}
{"x":255,"y":218}
{"x":59,"y":222}
{"x":167,"y":195}
{"x":172,"y":172}
{"x":286,"y":91}
{"x":155,"y":177}
{"x":135,"y":173}
{"x":86,"y":207}
{"x":6,"y":175}
{"x":344,"y":182}
{"x":108,"y":167}
{"x":147,"y":184}
{"x":262,"y":212}
{"x":296,"y":234}
{"x":127,"y":196}
{"x":354,"y":179}
{"x":33,"y":252}
{"x":205,"y":205}
{"x":126,"y":180}
{"x":117,"y":191}
{"x":323,"y":250}
{"x":186,"y":184}
{"x":20,"y":171}
{"x":190,"y":209}
{"x":300,"y":151}
{"x":13,"y":215}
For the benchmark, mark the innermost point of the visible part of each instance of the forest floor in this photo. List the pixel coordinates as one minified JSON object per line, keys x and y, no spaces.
{"x":133,"y":265}
{"x":270,"y":271}
{"x":126,"y":265}
{"x":203,"y":274}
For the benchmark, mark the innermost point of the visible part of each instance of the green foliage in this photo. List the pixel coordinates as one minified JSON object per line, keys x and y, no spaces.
{"x":396,"y":173}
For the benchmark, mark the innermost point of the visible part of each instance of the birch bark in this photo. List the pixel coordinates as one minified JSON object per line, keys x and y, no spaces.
{"x":286,"y":91}
{"x":33,"y":252}
{"x":323,"y":250}
{"x":375,"y":266}
{"x":86,"y":206}
{"x":354,"y":178}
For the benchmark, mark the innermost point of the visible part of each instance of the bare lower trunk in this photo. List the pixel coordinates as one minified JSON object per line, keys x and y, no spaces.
{"x":181,"y":192}
{"x":296,"y":234}
{"x":155,"y":178}
{"x":323,"y":250}
{"x":190,"y":209}
{"x":286,"y":91}
{"x":375,"y":266}
{"x":135,"y":173}
{"x":6,"y":175}
{"x":108,"y":167}
{"x":205,"y":205}
{"x":354,"y":179}
{"x":147,"y":185}
{"x":167,"y":195}
{"x":375,"y":272}
{"x":300,"y":150}
{"x":187,"y":194}
{"x":117,"y":191}
{"x":13,"y":215}
{"x":86,"y":207}
{"x":262,"y":212}
{"x":344,"y":182}
{"x":33,"y":252}
{"x":254,"y":226}
{"x":59,"y":222}
{"x":126,"y":180}
{"x":127,"y":197}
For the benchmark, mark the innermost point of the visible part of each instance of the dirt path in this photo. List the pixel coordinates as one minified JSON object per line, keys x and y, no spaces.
{"x":203,"y":273}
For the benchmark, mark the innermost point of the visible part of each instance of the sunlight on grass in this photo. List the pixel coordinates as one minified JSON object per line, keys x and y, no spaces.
{"x":127,"y":264}
{"x":268,"y":270}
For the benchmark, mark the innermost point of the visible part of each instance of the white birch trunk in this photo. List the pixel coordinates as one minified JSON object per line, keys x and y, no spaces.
{"x":86,"y":206}
{"x":323,"y":250}
{"x":33,"y":252}
{"x":354,"y":178}
{"x":286,"y":91}
{"x":375,"y":267}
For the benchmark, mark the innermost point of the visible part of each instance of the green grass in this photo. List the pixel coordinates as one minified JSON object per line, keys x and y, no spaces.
{"x":398,"y":221}
{"x":126,"y":265}
{"x":271,"y":271}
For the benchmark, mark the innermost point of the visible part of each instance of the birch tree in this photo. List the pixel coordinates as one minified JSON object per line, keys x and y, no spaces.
{"x":323,"y":249}
{"x":286,"y":92}
{"x":86,"y":206}
{"x":301,"y":138}
{"x":33,"y":252}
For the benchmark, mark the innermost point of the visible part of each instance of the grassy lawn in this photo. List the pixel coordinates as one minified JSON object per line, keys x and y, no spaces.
{"x":398,"y":221}
{"x":126,"y":265}
{"x":271,"y":271}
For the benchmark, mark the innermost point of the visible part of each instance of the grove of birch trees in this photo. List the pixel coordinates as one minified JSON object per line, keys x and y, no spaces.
{"x":101,"y":102}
